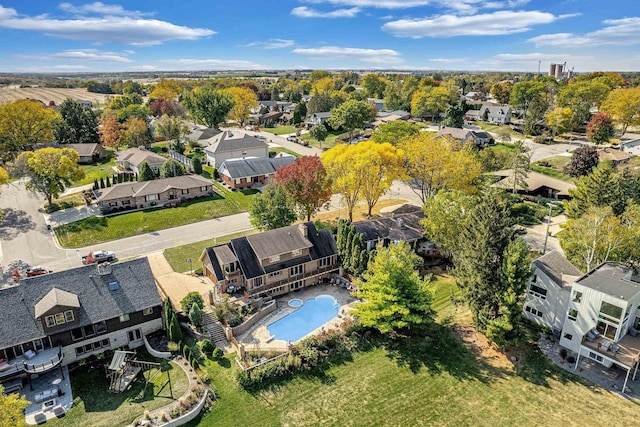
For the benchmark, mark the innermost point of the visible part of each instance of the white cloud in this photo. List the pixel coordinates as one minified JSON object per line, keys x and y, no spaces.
{"x":535,"y":57}
{"x":624,"y":31}
{"x":496,"y":23}
{"x":272,"y":44}
{"x":89,"y":55}
{"x":99,"y":8}
{"x":210,"y":64}
{"x":448,"y":60}
{"x":307,"y":12}
{"x":107,"y":29}
{"x":382,"y":4}
{"x":461,"y":6}
{"x":376,"y":56}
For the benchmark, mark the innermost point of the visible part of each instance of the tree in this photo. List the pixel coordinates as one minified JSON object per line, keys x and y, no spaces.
{"x":50,"y":170}
{"x":583,"y":160}
{"x":383,"y":164}
{"x":520,"y":164}
{"x":455,"y":115}
{"x":429,"y":102}
{"x":208,"y":106}
{"x":79,"y":124}
{"x":350,"y":115}
{"x":175,"y":333}
{"x":374,"y":85}
{"x":560,"y":120}
{"x":502,"y":91}
{"x":446,"y":215}
{"x":581,"y":96}
{"x":602,"y":187}
{"x":600,"y":128}
{"x":299,"y":113}
{"x":146,"y":173}
{"x":24,"y":123}
{"x":393,"y":99}
{"x":623,"y":105}
{"x":596,"y":237}
{"x":524,"y":93}
{"x":504,"y":134}
{"x":534,"y":119}
{"x":321,"y":102}
{"x":172,"y":168}
{"x":195,"y":315}
{"x":197,"y":165}
{"x":160,"y":106}
{"x":171,"y":128}
{"x":319,"y":133}
{"x":136,"y":133}
{"x":244,"y":100}
{"x":433,"y":164}
{"x":111,"y":132}
{"x":306,"y":183}
{"x":394,"y":132}
{"x":166,"y":89}
{"x":192,"y":298}
{"x":12,"y":406}
{"x":272,"y":209}
{"x":394,"y":295}
{"x":343,"y":170}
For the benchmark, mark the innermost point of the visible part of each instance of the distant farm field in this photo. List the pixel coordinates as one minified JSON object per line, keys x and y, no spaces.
{"x":45,"y":94}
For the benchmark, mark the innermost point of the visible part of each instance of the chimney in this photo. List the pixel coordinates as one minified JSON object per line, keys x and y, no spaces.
{"x":304,"y":230}
{"x":400,"y":222}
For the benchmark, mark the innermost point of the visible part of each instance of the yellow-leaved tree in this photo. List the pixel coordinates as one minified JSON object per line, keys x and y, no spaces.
{"x":439,"y":163}
{"x":25,"y":122}
{"x":244,"y":99}
{"x":166,"y":89}
{"x":623,"y":105}
{"x":340,"y":163}
{"x":560,"y":120}
{"x":11,"y":407}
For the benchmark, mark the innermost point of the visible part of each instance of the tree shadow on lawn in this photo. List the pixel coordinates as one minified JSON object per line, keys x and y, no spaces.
{"x":14,"y":222}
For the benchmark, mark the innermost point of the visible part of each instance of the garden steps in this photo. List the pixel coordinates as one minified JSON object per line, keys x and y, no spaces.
{"x":214,"y":330}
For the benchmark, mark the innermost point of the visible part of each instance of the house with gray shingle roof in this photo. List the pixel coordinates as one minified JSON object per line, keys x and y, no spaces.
{"x":244,"y":173}
{"x":234,"y":145}
{"x":132,"y":158}
{"x":273,"y":262}
{"x":59,"y":318}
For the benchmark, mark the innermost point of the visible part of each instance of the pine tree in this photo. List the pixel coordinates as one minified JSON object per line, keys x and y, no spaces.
{"x":602,"y":187}
{"x":146,"y":173}
{"x":195,"y":315}
{"x":96,"y":186}
{"x":197,"y":165}
{"x":175,"y":333}
{"x":355,"y":255}
{"x":102,"y":182}
{"x":108,"y":181}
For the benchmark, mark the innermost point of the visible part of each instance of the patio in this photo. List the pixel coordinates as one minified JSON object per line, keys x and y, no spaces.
{"x":51,"y":396}
{"x":41,"y":362}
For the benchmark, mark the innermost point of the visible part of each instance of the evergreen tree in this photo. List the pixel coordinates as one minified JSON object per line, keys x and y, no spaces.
{"x":108,"y":181}
{"x":175,"y":333}
{"x":146,"y":173}
{"x":96,"y":186}
{"x":195,"y":315}
{"x":172,"y":168}
{"x":102,"y":182}
{"x":356,"y":249}
{"x":197,"y":165}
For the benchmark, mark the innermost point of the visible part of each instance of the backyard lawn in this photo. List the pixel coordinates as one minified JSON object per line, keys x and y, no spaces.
{"x":553,"y":167}
{"x":280,"y":130}
{"x":95,"y":406}
{"x":502,"y":148}
{"x":94,"y":230}
{"x":177,"y":256}
{"x":491,"y":127}
{"x":438,"y":379}
{"x":327,"y":143}
{"x":99,"y":170}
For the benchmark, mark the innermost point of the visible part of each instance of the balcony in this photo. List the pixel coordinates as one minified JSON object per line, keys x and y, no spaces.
{"x":625,"y":352}
{"x":43,"y":361}
{"x":306,"y":275}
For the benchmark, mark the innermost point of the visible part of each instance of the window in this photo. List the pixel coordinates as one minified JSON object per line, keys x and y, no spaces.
{"x":124,"y":318}
{"x":610,"y":312}
{"x":274,"y":259}
{"x":50,"y":321}
{"x":534,"y":279}
{"x":147,"y":311}
{"x":79,"y":351}
{"x":573,"y":314}
{"x":203,"y":188}
{"x":325,"y":262}
{"x":275,"y":273}
{"x":230,"y":268}
{"x":607,"y":329}
{"x":185,"y":191}
{"x":59,"y":318}
{"x":533,"y":311}
{"x":76,"y":334}
{"x":568,"y":337}
{"x":126,"y":202}
{"x":151,"y":197}
{"x":88,"y":331}
{"x":68,"y":316}
{"x":577,"y":297}
{"x":595,"y":356}
{"x":135,"y":335}
{"x":105,"y":342}
{"x":537,"y":291}
{"x":257,"y":282}
{"x":297,"y":252}
{"x":100,"y":327}
{"x":296,"y":270}
{"x":296,"y":285}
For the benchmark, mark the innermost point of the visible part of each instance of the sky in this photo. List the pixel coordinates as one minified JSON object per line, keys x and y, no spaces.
{"x":172,"y":35}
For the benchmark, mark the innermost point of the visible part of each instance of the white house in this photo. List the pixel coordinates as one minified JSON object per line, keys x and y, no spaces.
{"x":631,"y":145}
{"x":131,"y":159}
{"x":317,"y":119}
{"x":234,"y":145}
{"x":548,"y":291}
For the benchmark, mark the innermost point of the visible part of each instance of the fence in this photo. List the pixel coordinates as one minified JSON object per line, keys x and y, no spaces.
{"x":181,"y":158}
{"x":251,"y":321}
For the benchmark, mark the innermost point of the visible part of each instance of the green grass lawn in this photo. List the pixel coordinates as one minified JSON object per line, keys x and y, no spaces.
{"x":502,"y":148}
{"x":273,"y":151}
{"x":95,"y":406}
{"x":550,"y":171}
{"x":280,"y":130}
{"x":94,"y":230}
{"x":327,"y":143}
{"x":69,"y":201}
{"x":99,"y":170}
{"x":177,"y":256}
{"x":494,"y":128}
{"x":432,"y":380}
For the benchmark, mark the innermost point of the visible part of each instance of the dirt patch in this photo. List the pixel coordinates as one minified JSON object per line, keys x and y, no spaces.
{"x":485,"y":349}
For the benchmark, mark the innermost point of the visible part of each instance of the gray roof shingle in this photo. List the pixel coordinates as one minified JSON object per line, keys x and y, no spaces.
{"x":255,"y":166}
{"x":232,"y":141}
{"x":555,"y":265}
{"x":156,"y":186}
{"x":137,"y":291}
{"x":136,"y":156}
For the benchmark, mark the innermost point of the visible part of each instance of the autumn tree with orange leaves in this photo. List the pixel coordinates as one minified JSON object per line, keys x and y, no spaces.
{"x":306,"y":183}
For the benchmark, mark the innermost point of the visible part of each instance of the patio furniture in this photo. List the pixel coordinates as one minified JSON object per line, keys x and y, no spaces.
{"x":46,"y":395}
{"x":58,"y":411}
{"x":4,"y":365}
{"x":606,"y":345}
{"x":40,"y":418}
{"x":12,"y":386}
{"x":29,"y":354}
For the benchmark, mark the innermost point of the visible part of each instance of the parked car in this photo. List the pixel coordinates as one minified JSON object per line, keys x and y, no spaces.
{"x":37,"y":271}
{"x":99,"y":257}
{"x":292,"y":138}
{"x":252,"y":127}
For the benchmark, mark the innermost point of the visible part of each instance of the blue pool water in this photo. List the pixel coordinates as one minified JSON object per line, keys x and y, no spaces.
{"x":314,"y":313}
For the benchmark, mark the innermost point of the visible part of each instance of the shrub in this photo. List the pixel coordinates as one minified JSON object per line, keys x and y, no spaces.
{"x":218,"y":353}
{"x":173,"y":347}
{"x":571,"y":359}
{"x":190,"y":299}
{"x":146,"y":415}
{"x":563,"y":353}
{"x":207,"y":347}
{"x":198,"y":271}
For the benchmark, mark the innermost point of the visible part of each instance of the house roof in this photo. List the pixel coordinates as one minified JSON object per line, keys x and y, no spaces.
{"x":136,"y":156}
{"x":321,"y":115}
{"x":534,"y":182}
{"x":496,"y":110}
{"x":555,"y":265}
{"x":255,"y":166}
{"x":232,"y":141}
{"x":613,"y":154}
{"x":250,"y":250}
{"x":614,"y":279}
{"x":224,"y":254}
{"x":405,"y":227}
{"x":457,"y":133}
{"x":201,"y":134}
{"x":137,"y":291}
{"x":84,"y":150}
{"x":56,"y":297}
{"x":145,"y":188}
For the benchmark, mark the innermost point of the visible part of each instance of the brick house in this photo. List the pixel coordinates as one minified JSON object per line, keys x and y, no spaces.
{"x":244,"y":173}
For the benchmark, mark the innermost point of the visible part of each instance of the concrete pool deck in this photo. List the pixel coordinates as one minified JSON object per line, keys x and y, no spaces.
{"x":258,"y":337}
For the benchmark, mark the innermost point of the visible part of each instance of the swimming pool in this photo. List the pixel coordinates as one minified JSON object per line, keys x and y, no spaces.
{"x":314,"y":313}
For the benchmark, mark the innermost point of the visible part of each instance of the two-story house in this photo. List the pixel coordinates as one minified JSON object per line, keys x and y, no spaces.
{"x":131,"y":159}
{"x":317,"y":119}
{"x":59,"y":318}
{"x":234,"y":145}
{"x":273,"y":262}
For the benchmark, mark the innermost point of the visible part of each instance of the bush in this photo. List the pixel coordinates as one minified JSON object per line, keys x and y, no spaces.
{"x":563,"y":353}
{"x":199,"y":271}
{"x":194,"y":363}
{"x":571,"y":359}
{"x":218,"y":353}
{"x":207,"y":347}
{"x":190,"y":299}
